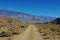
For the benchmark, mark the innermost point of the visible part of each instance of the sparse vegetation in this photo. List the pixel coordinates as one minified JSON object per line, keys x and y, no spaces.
{"x":49,"y":31}
{"x":11,"y":26}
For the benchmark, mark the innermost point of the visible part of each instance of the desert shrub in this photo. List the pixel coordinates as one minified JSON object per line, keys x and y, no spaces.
{"x":44,"y":34}
{"x":15,"y":33}
{"x":5,"y":34}
{"x":52,"y":29}
{"x":22,"y":26}
{"x":15,"y":30}
{"x":57,"y":30}
{"x":1,"y":25}
{"x":9,"y":21}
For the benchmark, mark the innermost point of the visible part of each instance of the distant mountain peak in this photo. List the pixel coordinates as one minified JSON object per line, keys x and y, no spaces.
{"x":25,"y":17}
{"x":56,"y":21}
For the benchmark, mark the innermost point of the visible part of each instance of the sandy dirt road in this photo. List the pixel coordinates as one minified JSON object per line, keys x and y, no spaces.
{"x":31,"y":33}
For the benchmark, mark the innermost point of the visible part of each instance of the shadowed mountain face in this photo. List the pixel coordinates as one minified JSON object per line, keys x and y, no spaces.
{"x":56,"y":21}
{"x":25,"y":17}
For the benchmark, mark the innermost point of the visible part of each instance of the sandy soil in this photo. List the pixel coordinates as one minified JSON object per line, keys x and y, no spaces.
{"x":31,"y":33}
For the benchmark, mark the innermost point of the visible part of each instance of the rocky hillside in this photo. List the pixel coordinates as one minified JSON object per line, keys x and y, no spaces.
{"x":56,"y":21}
{"x":23,"y":17}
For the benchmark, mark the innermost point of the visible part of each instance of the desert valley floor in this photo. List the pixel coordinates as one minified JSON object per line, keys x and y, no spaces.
{"x":12,"y":29}
{"x":33,"y":33}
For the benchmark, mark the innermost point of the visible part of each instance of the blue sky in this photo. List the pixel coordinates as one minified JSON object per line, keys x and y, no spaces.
{"x":34,"y":7}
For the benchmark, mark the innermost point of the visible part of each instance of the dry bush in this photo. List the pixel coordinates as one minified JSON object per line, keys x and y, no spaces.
{"x":47,"y":30}
{"x":12,"y":26}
